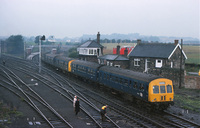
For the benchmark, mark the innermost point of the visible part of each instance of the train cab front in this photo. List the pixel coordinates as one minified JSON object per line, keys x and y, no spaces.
{"x":161,"y":93}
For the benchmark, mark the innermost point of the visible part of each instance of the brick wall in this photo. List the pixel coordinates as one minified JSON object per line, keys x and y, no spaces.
{"x":192,"y":82}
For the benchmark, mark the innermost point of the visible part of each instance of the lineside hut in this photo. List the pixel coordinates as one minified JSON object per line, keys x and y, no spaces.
{"x":160,"y":59}
{"x":114,"y":60}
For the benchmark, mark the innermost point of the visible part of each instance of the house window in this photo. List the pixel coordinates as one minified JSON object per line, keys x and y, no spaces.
{"x":85,"y":51}
{"x":136,"y":62}
{"x":171,"y":64}
{"x":99,"y":61}
{"x":111,"y":64}
{"x":102,"y":61}
{"x":91,"y":51}
{"x":95,"y":52}
{"x":107,"y":63}
{"x":158,"y":63}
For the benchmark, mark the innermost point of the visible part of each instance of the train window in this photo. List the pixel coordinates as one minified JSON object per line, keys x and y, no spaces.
{"x":169,"y":89}
{"x":147,"y":88}
{"x":120,"y":80}
{"x":104,"y":76}
{"x":107,"y":76}
{"x":135,"y":85}
{"x":141,"y":87}
{"x":155,"y":89}
{"x":111,"y":77}
{"x":130,"y":83}
{"x":162,"y":89}
{"x":125,"y":82}
{"x":116,"y":79}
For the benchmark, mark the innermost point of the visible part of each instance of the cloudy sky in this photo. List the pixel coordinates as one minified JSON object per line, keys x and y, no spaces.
{"x":74,"y":18}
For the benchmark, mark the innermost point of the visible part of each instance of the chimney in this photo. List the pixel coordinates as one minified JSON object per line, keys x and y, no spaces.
{"x":175,"y":42}
{"x":118,"y":49}
{"x":138,"y":41}
{"x":98,"y":38}
{"x":126,"y":52}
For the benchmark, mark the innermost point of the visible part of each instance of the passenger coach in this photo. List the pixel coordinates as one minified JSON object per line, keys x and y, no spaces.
{"x":85,"y":69}
{"x":147,"y":87}
{"x":151,"y":89}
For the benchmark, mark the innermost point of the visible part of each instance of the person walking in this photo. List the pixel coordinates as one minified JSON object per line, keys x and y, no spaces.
{"x":77,"y":106}
{"x":4,"y":62}
{"x":74,"y":101}
{"x":103,"y":112}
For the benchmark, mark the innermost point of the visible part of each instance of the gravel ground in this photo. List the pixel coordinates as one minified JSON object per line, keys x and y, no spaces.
{"x":178,"y":109}
{"x":11,"y":101}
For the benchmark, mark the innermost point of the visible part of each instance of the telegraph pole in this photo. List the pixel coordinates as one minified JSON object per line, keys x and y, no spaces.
{"x":40,"y":51}
{"x":180,"y":79}
{"x":1,"y":47}
{"x":24,"y":50}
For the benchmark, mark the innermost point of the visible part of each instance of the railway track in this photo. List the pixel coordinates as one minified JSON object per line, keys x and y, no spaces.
{"x":118,"y":114}
{"x":55,"y":87}
{"x":154,"y":119}
{"x":34,"y":100}
{"x":148,"y":122}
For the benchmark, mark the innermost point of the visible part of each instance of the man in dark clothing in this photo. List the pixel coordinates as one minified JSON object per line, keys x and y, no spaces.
{"x":77,"y":106}
{"x":4,"y":62}
{"x":103,"y":112}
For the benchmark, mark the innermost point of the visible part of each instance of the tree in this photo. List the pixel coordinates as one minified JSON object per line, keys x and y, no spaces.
{"x":37,"y":39}
{"x":113,"y":41}
{"x":15,"y":44}
{"x":73,"y":53}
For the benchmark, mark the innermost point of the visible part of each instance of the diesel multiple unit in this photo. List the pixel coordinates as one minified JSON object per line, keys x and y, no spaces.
{"x":151,"y":89}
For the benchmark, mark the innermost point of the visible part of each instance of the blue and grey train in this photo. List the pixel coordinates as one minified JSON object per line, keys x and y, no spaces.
{"x":151,"y":89}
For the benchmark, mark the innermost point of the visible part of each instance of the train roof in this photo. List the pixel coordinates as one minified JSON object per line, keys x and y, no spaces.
{"x":63,"y":58}
{"x":129,"y":73}
{"x":86,"y":63}
{"x":51,"y":55}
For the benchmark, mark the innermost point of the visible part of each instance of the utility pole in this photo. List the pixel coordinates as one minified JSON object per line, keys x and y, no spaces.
{"x":1,"y":47}
{"x":40,"y":51}
{"x":180,"y":79}
{"x":24,"y":50}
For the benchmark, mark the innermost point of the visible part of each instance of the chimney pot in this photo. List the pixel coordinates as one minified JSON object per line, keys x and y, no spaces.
{"x":126,"y":52}
{"x":98,"y":38}
{"x":175,"y":42}
{"x":118,"y":49}
{"x":138,"y":41}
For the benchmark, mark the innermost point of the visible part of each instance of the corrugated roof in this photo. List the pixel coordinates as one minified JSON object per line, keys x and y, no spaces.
{"x":90,"y":44}
{"x":113,"y":57}
{"x":153,"y":50}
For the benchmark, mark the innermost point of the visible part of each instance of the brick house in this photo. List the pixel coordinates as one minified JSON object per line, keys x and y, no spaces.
{"x":90,"y":50}
{"x":158,"y":58}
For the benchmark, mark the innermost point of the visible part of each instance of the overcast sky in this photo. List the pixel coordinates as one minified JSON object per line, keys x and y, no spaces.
{"x":74,"y":18}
